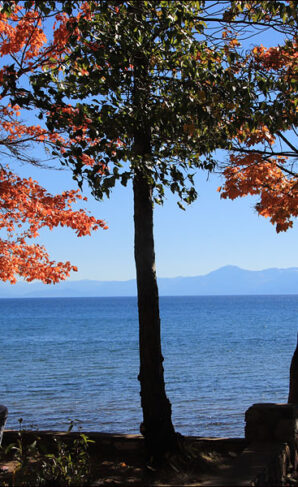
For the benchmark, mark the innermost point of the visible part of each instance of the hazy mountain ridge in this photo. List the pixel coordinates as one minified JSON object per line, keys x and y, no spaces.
{"x":226,"y":280}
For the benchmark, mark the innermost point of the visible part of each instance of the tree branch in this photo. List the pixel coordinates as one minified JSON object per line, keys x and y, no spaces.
{"x":287,"y":142}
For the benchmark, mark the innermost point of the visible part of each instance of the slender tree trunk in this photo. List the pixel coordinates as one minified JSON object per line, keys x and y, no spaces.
{"x":293,"y":390}
{"x":157,"y":426}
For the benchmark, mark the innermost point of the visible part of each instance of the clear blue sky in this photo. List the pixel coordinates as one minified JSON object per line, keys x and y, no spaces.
{"x":210,"y":234}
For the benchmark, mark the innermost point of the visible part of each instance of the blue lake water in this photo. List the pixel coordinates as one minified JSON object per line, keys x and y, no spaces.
{"x":77,"y":358}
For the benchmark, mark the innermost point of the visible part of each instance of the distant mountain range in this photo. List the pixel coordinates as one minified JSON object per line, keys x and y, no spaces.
{"x":228,"y":280}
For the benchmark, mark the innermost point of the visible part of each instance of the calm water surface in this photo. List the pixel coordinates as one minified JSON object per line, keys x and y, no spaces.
{"x":77,"y":358}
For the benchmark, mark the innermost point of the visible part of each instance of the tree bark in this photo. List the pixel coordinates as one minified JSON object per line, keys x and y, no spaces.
{"x":157,"y":426}
{"x":293,"y":390}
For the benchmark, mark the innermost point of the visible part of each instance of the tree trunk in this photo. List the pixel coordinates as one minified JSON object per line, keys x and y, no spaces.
{"x":157,"y":426}
{"x":293,"y":390}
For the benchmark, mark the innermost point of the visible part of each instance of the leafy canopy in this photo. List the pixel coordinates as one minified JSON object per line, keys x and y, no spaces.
{"x":136,"y":71}
{"x":157,"y":86}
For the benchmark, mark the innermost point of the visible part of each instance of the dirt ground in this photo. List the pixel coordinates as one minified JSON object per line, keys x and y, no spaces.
{"x":120,"y":460}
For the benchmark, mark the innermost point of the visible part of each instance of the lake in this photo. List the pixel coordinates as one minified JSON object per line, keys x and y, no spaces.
{"x":68,"y":359}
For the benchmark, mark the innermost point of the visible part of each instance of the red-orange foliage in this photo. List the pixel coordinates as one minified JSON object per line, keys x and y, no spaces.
{"x":26,"y":207}
{"x":252,"y":175}
{"x":22,"y":36}
{"x":260,"y":169}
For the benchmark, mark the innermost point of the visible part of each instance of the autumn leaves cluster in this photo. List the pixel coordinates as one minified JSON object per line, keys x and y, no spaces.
{"x":26,"y":207}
